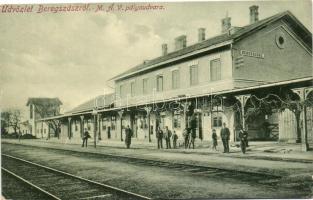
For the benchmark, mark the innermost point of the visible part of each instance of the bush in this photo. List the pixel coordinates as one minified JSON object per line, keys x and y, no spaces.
{"x":10,"y":136}
{"x":15,"y":136}
{"x":28,"y":136}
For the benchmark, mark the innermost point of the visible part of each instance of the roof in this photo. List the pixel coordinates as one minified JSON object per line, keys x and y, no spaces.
{"x":100,"y":101}
{"x":43,"y":101}
{"x":299,"y":82}
{"x":238,"y":34}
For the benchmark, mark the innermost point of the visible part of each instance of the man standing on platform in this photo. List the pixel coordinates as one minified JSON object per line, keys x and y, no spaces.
{"x":159,"y":135}
{"x":168,"y":135}
{"x":225,"y":137}
{"x":128,"y":136}
{"x":85,"y":138}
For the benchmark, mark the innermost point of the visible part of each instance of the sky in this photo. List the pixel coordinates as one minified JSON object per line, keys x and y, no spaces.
{"x":73,"y":55}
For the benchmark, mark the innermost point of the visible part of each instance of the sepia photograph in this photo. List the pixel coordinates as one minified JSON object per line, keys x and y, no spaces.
{"x":156,"y":100}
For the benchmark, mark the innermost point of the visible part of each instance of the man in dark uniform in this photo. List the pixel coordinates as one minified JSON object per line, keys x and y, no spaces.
{"x":186,"y":137}
{"x":85,"y":138}
{"x":175,"y":137}
{"x":168,"y":135}
{"x":225,"y":138}
{"x":159,"y":135}
{"x":128,"y":136}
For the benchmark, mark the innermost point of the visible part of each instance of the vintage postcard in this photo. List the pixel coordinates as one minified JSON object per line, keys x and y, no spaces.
{"x":156,"y":100}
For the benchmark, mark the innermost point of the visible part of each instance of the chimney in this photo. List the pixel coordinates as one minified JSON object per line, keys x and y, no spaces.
{"x":254,"y":14}
{"x":180,"y":42}
{"x":201,"y":34}
{"x":226,"y":24}
{"x":164,"y":49}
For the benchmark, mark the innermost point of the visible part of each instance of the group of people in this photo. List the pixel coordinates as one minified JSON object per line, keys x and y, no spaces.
{"x":166,"y":134}
{"x":225,"y":136}
{"x":128,"y":137}
{"x":189,"y":135}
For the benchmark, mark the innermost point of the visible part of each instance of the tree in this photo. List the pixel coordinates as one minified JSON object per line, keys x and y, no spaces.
{"x":5,"y":122}
{"x":15,"y":119}
{"x":48,"y":110}
{"x":55,"y":124}
{"x":11,"y":118}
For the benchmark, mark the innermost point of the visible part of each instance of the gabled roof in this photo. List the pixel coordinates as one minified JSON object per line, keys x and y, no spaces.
{"x":299,"y":29}
{"x":43,"y":101}
{"x":101,"y":101}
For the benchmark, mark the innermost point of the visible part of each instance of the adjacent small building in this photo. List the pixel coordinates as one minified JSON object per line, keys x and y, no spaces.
{"x":40,"y":108}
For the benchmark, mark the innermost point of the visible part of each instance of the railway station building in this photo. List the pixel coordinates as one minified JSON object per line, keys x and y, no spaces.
{"x":258,"y":76}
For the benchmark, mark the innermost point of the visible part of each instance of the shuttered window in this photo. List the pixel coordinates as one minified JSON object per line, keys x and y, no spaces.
{"x":175,"y":79}
{"x":145,"y":86}
{"x":194,"y":75}
{"x":132,"y":89}
{"x":215,"y":70}
{"x":160,"y":83}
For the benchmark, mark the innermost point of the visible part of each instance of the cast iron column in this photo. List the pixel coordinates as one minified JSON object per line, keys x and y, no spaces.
{"x":303,"y":94}
{"x":120,"y":113}
{"x":148,"y":110}
{"x":69,"y":128}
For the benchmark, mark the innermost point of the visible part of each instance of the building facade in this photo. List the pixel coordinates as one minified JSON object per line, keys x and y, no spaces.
{"x":223,"y":79}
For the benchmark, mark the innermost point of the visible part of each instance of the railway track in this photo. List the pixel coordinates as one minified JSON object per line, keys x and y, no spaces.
{"x":194,"y":169}
{"x":56,"y":184}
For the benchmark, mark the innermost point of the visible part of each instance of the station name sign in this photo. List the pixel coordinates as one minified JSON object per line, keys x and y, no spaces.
{"x":252,"y":54}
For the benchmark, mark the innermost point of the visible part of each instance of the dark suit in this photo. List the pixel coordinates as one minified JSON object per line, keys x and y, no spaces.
{"x":160,"y":138}
{"x":128,"y":137}
{"x":85,"y":138}
{"x":225,"y":138}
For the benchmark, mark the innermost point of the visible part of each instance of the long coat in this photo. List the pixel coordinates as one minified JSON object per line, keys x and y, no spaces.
{"x":225,"y":133}
{"x":128,"y":135}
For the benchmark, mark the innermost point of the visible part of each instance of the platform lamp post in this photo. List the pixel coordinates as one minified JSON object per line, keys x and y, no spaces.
{"x":95,"y":114}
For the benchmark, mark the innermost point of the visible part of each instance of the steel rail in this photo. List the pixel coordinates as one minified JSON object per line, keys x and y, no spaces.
{"x":138,"y":196}
{"x":146,"y":160}
{"x":31,"y":184}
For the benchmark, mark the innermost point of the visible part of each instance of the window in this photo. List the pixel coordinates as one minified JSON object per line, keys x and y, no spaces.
{"x":88,"y":124}
{"x":121,"y":90}
{"x":76,"y":126}
{"x":44,"y":130}
{"x":132,"y":89}
{"x":177,"y":121}
{"x":193,"y":75}
{"x":175,"y":79}
{"x":217,"y":121}
{"x":215,"y":70}
{"x":145,"y":86}
{"x":113,"y":123}
{"x":160,"y":83}
{"x":143,"y":122}
{"x":31,"y":111}
{"x":104,"y":122}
